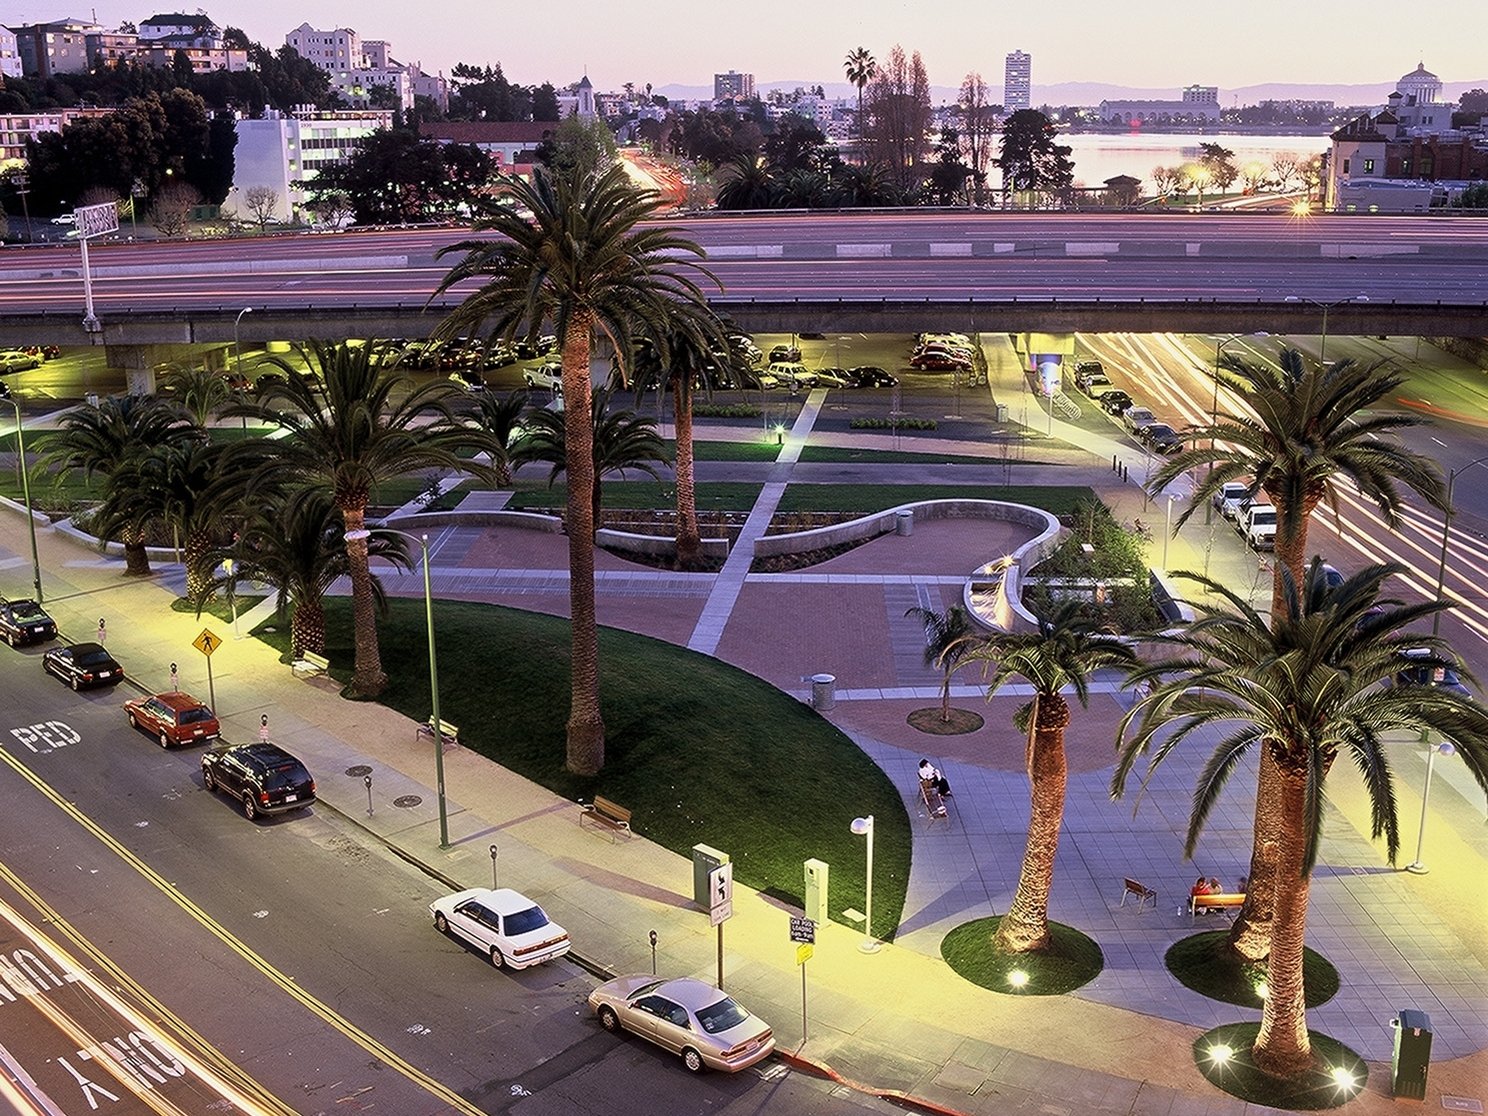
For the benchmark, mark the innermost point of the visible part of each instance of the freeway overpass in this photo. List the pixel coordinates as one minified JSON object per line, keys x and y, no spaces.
{"x":879,"y":272}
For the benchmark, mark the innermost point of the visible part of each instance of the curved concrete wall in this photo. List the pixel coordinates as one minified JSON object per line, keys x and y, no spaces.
{"x":527,"y":521}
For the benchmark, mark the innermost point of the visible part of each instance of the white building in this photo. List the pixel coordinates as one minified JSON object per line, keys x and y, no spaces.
{"x":16,"y":130}
{"x":178,"y":26}
{"x":356,"y":67}
{"x":336,"y":50}
{"x":1017,"y":81}
{"x":10,"y":57}
{"x":282,"y":152}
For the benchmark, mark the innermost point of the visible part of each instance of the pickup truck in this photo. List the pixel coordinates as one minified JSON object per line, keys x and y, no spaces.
{"x":1258,"y":526}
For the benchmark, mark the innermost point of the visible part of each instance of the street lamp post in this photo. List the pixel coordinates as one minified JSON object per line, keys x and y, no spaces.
{"x":1441,"y":568}
{"x":1214,"y":403}
{"x":238,"y":350}
{"x":22,"y":188}
{"x":1444,"y":748}
{"x":863,"y":827}
{"x":26,"y":496}
{"x":1325,"y":307}
{"x":1168,"y":527}
{"x":437,"y":726}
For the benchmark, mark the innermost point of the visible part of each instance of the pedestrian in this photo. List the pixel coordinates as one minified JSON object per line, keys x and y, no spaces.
{"x":1243,"y":885}
{"x":175,"y":680}
{"x":1215,"y":887}
{"x":102,"y":630}
{"x":929,"y":773}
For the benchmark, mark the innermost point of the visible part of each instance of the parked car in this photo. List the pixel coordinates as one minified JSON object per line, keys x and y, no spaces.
{"x":468,"y":378}
{"x":690,"y":1017}
{"x":504,"y":924}
{"x":237,"y":381}
{"x":499,"y":356}
{"x":83,"y":664}
{"x":939,"y":362}
{"x":765,"y":381}
{"x":173,"y":718}
{"x":787,"y":353}
{"x":944,"y":338}
{"x":745,"y":348}
{"x":1235,"y":505}
{"x":872,"y":376}
{"x":17,"y":360}
{"x":1114,"y":402}
{"x":1229,"y":490}
{"x":1258,"y":526}
{"x":794,"y":374}
{"x":832,"y":377}
{"x":1160,"y":438}
{"x":25,"y":621}
{"x":1426,"y":669}
{"x":548,"y":375}
{"x":262,"y":776}
{"x":1137,"y":417}
{"x":1091,"y":383}
{"x":1332,"y":576}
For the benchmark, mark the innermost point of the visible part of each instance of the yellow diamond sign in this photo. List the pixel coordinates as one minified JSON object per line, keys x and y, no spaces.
{"x":207,"y":642}
{"x":804,"y":952}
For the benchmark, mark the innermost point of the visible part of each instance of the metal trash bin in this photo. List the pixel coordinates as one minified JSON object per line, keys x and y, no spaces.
{"x":823,"y":692}
{"x":1412,"y":1055}
{"x":1001,"y":411}
{"x":904,"y":522}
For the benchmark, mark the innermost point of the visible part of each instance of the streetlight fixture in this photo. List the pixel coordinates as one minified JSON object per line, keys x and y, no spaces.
{"x":863,"y":827}
{"x":238,"y":350}
{"x":1325,"y":307}
{"x":1444,"y":748}
{"x":1441,"y":569}
{"x":423,"y":541}
{"x":26,"y":493}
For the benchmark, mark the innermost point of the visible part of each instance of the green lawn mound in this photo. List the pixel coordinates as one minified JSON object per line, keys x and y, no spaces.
{"x":1203,"y":963}
{"x":699,"y":751}
{"x":930,"y":720}
{"x":1337,"y":1075}
{"x":1071,"y":961}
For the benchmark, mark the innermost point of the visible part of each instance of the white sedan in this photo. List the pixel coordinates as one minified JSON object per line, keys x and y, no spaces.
{"x":505,"y":924}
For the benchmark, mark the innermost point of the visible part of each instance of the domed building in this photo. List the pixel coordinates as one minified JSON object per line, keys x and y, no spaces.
{"x":1420,"y":86}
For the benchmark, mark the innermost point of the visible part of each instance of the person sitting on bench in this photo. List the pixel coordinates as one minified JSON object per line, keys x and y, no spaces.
{"x":929,"y":773}
{"x":1202,"y":887}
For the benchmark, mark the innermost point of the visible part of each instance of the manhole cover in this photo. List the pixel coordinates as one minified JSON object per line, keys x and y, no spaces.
{"x":358,"y":771}
{"x":405,"y":801}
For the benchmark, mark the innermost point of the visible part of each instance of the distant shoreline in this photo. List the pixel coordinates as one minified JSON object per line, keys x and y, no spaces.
{"x":1192,"y":130}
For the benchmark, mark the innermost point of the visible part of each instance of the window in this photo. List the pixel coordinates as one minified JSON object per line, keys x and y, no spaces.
{"x":1345,"y":166}
{"x":1368,"y":166}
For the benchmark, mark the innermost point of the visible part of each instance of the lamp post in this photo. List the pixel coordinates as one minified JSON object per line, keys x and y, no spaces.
{"x":22,"y":188}
{"x":1441,"y":569}
{"x":1168,"y":526}
{"x":1214,"y":403}
{"x":26,"y":495}
{"x":423,"y":541}
{"x":1444,"y":748}
{"x":238,"y":350}
{"x":863,"y":827}
{"x":1325,"y":307}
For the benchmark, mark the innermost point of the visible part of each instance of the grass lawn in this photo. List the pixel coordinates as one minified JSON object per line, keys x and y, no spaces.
{"x":217,"y":607}
{"x":1318,"y":1088}
{"x":700,"y":752}
{"x":1203,"y":963}
{"x":50,"y":491}
{"x":900,"y":457}
{"x":730,"y":451}
{"x":719,"y":496}
{"x":869,"y":498}
{"x":1072,"y":960}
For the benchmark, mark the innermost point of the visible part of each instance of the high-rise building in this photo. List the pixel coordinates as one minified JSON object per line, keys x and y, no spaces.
{"x":1016,"y":83}
{"x":733,"y":84}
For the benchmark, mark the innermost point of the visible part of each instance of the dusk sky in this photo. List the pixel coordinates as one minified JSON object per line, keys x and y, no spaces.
{"x":1359,"y":41}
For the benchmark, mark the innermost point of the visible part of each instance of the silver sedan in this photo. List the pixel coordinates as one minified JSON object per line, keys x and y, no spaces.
{"x":686,"y":1016}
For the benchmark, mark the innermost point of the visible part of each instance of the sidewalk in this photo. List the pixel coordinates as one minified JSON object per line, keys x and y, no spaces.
{"x":898,"y":1020}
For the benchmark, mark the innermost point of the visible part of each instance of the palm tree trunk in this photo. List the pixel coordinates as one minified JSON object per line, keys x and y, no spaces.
{"x":1282,"y":1048}
{"x":1026,"y":925}
{"x":945,"y":699}
{"x":585,"y":725}
{"x":198,"y":568}
{"x":136,"y":558}
{"x":689,"y":541}
{"x":368,"y":678}
{"x":307,"y":627}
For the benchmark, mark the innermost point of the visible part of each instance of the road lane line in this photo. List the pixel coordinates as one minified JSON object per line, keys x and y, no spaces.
{"x":242,"y":949}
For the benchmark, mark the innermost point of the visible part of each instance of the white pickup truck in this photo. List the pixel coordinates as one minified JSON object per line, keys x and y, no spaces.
{"x":1258,"y":525}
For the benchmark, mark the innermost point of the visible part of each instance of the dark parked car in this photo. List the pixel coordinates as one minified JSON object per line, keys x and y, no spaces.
{"x":25,"y":622}
{"x":499,"y":356}
{"x":786,"y":353}
{"x":939,"y":362}
{"x":262,"y":776}
{"x":83,"y":664}
{"x":1426,"y":671}
{"x":1161,"y":437}
{"x":1114,"y":402}
{"x":173,"y":718}
{"x":871,"y":376}
{"x":1089,"y":367}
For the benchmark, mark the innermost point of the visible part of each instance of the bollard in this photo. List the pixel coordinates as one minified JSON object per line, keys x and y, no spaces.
{"x":367,"y":782}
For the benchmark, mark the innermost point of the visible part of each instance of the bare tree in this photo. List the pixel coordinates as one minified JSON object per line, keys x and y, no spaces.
{"x":263,"y":203}
{"x":333,"y":208}
{"x":898,"y":108}
{"x":1284,"y":169}
{"x":171,"y":212}
{"x":977,"y":129}
{"x":1310,"y":171}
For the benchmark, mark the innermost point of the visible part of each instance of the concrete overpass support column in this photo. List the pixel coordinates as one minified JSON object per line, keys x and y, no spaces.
{"x":142,"y":365}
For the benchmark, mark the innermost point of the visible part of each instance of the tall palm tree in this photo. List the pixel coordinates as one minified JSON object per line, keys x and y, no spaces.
{"x":1312,"y":685}
{"x":949,"y":637}
{"x":861,"y":68}
{"x":1312,"y":427}
{"x":197,"y":391}
{"x":501,"y":418}
{"x":98,"y":439}
{"x":619,"y":439}
{"x":1063,"y":652}
{"x":355,"y":422}
{"x":573,"y":250}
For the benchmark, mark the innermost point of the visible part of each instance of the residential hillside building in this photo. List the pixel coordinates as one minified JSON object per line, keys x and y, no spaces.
{"x":1017,"y":81}
{"x":733,"y":86}
{"x":48,"y":49}
{"x":16,"y":130}
{"x":10,"y":59}
{"x":357,"y":68}
{"x":176,"y":26}
{"x":286,"y":151}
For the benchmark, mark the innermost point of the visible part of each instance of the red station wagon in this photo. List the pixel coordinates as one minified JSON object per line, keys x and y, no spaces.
{"x":173,"y":718}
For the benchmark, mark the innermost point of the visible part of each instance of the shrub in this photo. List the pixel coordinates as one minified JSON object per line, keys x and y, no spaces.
{"x":904,"y":423}
{"x":726,"y":410}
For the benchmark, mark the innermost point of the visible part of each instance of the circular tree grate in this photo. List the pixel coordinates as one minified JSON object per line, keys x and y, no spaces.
{"x":358,"y":771}
{"x":406,"y":801}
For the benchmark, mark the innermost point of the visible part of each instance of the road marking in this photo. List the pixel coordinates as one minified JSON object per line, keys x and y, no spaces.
{"x":950,"y":248}
{"x":863,"y":251}
{"x":1091,"y":247}
{"x":281,"y":980}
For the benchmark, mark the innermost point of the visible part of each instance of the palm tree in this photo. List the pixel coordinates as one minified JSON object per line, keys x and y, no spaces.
{"x":97,"y":440}
{"x":1313,"y":684}
{"x":1310,"y":429}
{"x":949,"y":638}
{"x":573,"y":250}
{"x":354,"y":422}
{"x":747,"y":183}
{"x":1063,"y":652}
{"x":501,"y":418}
{"x":861,"y":68}
{"x":620,"y":439}
{"x":198,"y":392}
{"x":864,"y":185}
{"x":297,"y":543}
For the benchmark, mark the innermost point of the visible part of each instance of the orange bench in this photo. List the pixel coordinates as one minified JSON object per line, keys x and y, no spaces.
{"x":1221,"y":901}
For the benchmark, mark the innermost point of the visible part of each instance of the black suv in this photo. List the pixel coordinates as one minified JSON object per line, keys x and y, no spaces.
{"x":25,"y":622}
{"x":263,"y":777}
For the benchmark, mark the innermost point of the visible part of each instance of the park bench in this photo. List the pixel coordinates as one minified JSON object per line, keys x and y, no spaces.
{"x":606,"y":815}
{"x":935,"y":805}
{"x":448,"y":733}
{"x":310,"y":663}
{"x":1220,"y":901}
{"x":1143,"y":893}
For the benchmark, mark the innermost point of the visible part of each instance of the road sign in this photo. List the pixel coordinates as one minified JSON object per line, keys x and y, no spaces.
{"x":720,"y":914}
{"x":803,"y":955}
{"x":207,"y":642}
{"x":95,"y":220}
{"x":721,"y":885}
{"x":802,"y":929}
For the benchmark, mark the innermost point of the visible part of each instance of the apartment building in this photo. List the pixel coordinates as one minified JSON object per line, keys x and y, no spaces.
{"x":286,"y":151}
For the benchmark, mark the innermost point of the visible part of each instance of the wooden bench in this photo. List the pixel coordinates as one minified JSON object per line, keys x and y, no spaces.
{"x":310,"y":663}
{"x":1143,"y":893}
{"x":935,"y":804}
{"x":605,"y":814}
{"x":448,"y":733}
{"x":1220,"y":901}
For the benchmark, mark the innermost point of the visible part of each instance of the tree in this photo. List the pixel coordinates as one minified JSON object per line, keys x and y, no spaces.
{"x":865,"y":186}
{"x":1474,"y":197}
{"x":263,"y":203}
{"x":1316,"y":683}
{"x":1165,"y":180}
{"x":899,"y":118}
{"x":795,"y":145}
{"x":1219,"y":161}
{"x":579,"y":146}
{"x":397,"y":177}
{"x":948,"y":174}
{"x":1064,"y":651}
{"x":171,"y":210}
{"x":545,"y":102}
{"x":1314,"y":426}
{"x":949,"y":638}
{"x":198,"y":392}
{"x":1283,"y":170}
{"x":1030,"y":158}
{"x":573,"y":251}
{"x":747,"y":184}
{"x":501,"y":419}
{"x":861,"y":68}
{"x":977,"y":127}
{"x":355,"y":422}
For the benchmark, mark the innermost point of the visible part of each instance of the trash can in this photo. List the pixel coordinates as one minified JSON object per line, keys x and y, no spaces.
{"x":1412,"y":1054}
{"x":823,"y":691}
{"x":1001,"y":411}
{"x":904,"y":522}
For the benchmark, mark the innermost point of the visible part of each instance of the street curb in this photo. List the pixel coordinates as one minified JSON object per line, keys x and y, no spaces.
{"x":897,"y":1096}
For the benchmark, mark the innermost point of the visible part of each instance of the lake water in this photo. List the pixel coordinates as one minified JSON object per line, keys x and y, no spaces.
{"x":1099,"y":156}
